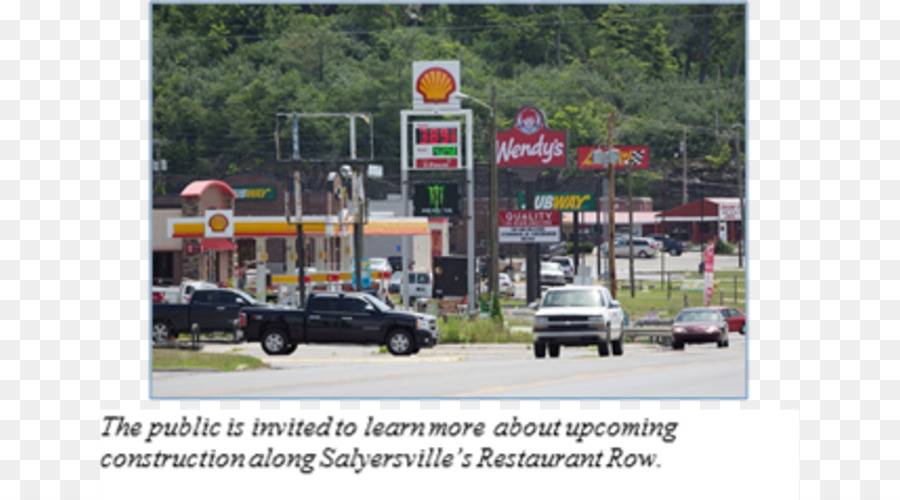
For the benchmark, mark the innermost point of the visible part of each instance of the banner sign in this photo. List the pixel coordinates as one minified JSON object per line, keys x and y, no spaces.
{"x":436,"y":199}
{"x":528,"y":226}
{"x":709,"y":255}
{"x":530,"y":144}
{"x":637,"y":157}
{"x":254,"y":192}
{"x":567,"y":202}
{"x":730,"y":211}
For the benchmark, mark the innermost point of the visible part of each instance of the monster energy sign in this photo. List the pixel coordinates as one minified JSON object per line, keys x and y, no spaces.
{"x":434,"y":199}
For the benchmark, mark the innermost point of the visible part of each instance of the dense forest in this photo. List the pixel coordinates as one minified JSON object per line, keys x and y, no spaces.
{"x":221,"y":73}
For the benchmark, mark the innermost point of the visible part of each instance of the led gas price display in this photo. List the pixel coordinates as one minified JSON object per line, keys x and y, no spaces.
{"x":436,"y":145}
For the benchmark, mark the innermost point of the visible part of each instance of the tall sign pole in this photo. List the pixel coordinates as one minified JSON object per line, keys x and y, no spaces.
{"x":495,"y":244}
{"x":301,"y":278}
{"x":612,"y":211}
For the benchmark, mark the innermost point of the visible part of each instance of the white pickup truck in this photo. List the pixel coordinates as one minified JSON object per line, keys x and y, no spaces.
{"x":578,"y":316}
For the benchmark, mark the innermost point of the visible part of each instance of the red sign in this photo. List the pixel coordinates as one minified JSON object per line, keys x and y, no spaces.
{"x":190,"y":249}
{"x":530,"y":144}
{"x":427,"y":163}
{"x":528,"y":218}
{"x":709,"y":256}
{"x":637,"y":157}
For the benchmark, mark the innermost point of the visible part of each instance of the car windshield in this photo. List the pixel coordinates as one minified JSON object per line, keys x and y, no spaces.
{"x":550,"y":266}
{"x":573,"y":298}
{"x":697,"y":316}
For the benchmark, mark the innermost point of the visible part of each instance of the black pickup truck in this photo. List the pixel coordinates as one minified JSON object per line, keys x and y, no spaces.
{"x":212,"y":310}
{"x":337,"y":317}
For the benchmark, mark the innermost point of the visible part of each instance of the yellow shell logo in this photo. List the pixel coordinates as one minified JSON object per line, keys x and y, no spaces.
{"x":218,"y":223}
{"x":435,"y":85}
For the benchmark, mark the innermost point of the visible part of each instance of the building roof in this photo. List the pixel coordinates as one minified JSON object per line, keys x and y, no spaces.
{"x":705,"y":209}
{"x":621,"y":217}
{"x":196,"y":188}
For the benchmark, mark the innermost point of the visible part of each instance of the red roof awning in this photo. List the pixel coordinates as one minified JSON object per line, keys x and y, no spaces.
{"x":217,"y":245}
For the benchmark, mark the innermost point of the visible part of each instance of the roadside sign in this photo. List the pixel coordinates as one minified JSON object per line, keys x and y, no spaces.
{"x":528,"y":226}
{"x":566,"y":202}
{"x":637,"y":157}
{"x":530,"y":143}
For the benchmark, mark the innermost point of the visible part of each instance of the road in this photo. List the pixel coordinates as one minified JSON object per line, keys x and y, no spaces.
{"x":472,"y":371}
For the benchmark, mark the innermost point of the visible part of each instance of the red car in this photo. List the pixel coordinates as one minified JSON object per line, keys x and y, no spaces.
{"x":699,"y":325}
{"x":737,"y":322}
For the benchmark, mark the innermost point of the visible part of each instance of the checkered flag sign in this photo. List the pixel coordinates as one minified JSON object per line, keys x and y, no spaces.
{"x":637,"y":157}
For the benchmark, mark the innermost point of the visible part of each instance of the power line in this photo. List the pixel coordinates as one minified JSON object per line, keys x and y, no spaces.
{"x":473,"y":27}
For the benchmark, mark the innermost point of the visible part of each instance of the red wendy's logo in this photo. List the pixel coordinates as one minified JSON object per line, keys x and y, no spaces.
{"x":529,"y":120}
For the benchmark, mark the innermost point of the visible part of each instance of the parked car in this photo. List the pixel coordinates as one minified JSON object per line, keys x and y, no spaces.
{"x":698,"y":325}
{"x":335,"y":317}
{"x":212,"y":310}
{"x":737,"y":322}
{"x":643,"y":247}
{"x":420,"y":284}
{"x":568,"y":266}
{"x":552,"y":274}
{"x":578,"y":316}
{"x":506,"y":285}
{"x":552,"y":249}
{"x":670,"y":246}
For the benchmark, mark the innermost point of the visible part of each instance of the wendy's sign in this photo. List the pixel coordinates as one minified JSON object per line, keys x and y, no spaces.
{"x":530,"y":143}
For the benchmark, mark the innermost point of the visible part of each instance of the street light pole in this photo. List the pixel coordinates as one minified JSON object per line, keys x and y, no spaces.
{"x":737,"y":151}
{"x":493,"y":222}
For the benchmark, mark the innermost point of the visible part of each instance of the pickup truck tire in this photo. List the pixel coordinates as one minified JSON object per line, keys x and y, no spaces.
{"x":400,"y":343}
{"x":162,"y":330}
{"x":274,"y":341}
{"x":554,"y":350}
{"x":674,"y":252}
{"x":617,"y":347}
{"x":603,"y":348}
{"x":540,"y":349}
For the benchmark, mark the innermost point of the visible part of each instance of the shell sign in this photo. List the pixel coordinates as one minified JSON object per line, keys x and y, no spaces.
{"x":434,"y":83}
{"x":218,"y":224}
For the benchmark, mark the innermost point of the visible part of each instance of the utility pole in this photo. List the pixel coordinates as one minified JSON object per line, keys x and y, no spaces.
{"x":612,"y":212}
{"x":684,"y":192}
{"x":301,"y":277}
{"x":495,"y":243}
{"x":630,"y":233}
{"x":737,"y":150}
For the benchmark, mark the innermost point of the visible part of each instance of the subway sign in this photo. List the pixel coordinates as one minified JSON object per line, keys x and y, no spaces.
{"x":255,"y":192}
{"x":566,"y":202}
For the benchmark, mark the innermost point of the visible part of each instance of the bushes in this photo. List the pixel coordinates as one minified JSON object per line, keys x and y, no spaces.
{"x":584,"y":247}
{"x":459,"y":330}
{"x":724,"y":248}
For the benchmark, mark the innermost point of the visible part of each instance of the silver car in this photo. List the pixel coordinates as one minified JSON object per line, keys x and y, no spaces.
{"x":643,"y":247}
{"x":552,"y":274}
